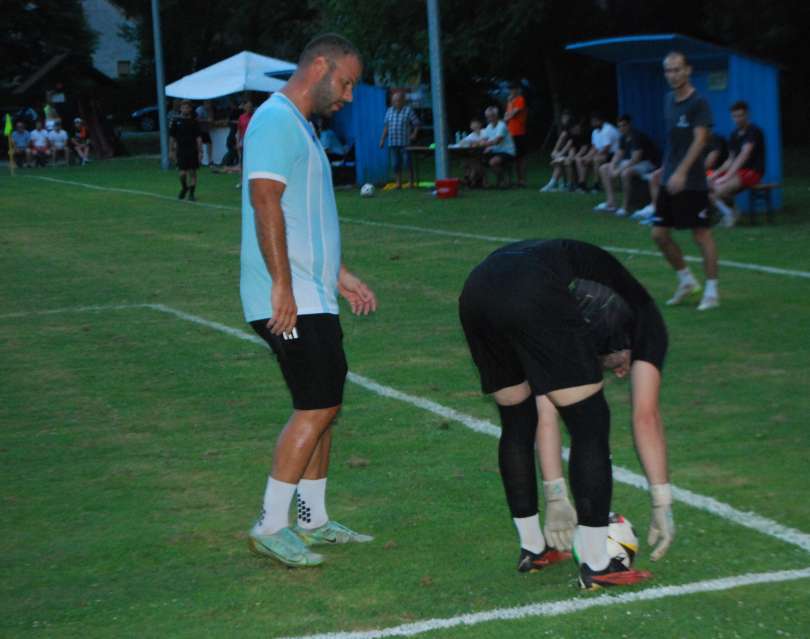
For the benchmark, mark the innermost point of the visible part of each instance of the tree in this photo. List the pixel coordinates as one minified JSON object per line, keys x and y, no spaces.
{"x":36,"y":31}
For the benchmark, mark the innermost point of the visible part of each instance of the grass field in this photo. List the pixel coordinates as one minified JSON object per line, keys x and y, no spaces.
{"x":138,"y":418}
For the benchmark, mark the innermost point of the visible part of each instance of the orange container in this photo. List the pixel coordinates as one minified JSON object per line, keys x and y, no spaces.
{"x":447,"y":188}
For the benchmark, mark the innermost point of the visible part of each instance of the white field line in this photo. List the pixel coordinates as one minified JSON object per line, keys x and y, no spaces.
{"x":556,"y":608}
{"x":772,"y":270}
{"x":623,"y":475}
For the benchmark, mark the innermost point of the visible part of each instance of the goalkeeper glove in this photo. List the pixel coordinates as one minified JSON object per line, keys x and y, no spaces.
{"x":662,"y":525}
{"x":561,"y":518}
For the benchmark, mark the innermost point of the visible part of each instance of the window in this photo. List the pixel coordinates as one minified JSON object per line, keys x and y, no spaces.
{"x":124,"y":67}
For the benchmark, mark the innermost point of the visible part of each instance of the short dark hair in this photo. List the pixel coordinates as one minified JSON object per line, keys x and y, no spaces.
{"x":625,"y":118}
{"x":739,"y":105}
{"x":678,"y":53}
{"x":597,"y":115}
{"x":329,"y":45}
{"x":515,"y":85}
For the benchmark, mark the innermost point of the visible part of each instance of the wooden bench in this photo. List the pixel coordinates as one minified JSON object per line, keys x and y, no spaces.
{"x":761,"y":194}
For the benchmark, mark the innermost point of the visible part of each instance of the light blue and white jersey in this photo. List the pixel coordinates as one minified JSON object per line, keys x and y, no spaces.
{"x":281,"y":145}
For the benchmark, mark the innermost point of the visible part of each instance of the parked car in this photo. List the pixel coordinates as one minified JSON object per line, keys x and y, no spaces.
{"x":146,"y":118}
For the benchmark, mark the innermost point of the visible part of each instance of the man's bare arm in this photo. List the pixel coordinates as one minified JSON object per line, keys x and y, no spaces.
{"x":265,"y":196}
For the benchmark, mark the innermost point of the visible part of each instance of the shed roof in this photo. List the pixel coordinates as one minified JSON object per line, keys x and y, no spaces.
{"x":650,"y":48}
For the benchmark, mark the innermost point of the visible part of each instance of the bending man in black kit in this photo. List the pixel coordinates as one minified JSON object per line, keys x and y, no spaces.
{"x":532,"y":339}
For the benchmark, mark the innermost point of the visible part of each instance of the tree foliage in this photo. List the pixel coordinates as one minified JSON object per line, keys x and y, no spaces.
{"x":37,"y":30}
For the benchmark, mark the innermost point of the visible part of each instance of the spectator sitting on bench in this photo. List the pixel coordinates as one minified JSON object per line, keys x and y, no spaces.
{"x":604,"y":143}
{"x":744,"y":166}
{"x":21,"y":140}
{"x":473,"y":173}
{"x":81,"y":141}
{"x":499,"y":148}
{"x":637,"y":155}
{"x":40,"y":145}
{"x":560,"y":153}
{"x":335,"y":150}
{"x":58,"y":138}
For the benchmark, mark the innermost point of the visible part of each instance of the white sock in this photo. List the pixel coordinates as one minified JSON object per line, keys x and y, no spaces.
{"x":531,"y":537}
{"x":685,"y":276}
{"x":276,"y":513}
{"x":312,"y":503}
{"x":711,"y":289}
{"x":590,"y":546}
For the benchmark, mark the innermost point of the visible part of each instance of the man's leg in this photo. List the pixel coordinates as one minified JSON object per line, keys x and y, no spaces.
{"x":605,"y":174}
{"x":496,"y":164}
{"x":183,"y":185}
{"x":687,"y":284}
{"x":192,"y":184}
{"x":705,"y":240}
{"x":627,"y":185}
{"x":517,"y":408}
{"x":723,"y":198}
{"x":409,"y":161}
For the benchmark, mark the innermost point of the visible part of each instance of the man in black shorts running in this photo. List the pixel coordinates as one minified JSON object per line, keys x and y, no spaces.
{"x":186,"y":149}
{"x":530,"y":339}
{"x":683,"y":199}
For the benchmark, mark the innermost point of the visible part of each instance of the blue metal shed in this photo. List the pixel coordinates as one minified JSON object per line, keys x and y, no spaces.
{"x":361,"y":123}
{"x":720,"y":74}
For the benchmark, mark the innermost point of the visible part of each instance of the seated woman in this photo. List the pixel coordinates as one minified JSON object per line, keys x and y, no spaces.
{"x":561,"y":151}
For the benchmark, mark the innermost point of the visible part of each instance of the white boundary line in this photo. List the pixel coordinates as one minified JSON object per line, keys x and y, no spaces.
{"x":772,"y":270}
{"x":565,"y":607}
{"x":750,"y":520}
{"x":548,"y":609}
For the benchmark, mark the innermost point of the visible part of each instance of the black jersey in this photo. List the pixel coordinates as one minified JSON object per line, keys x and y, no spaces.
{"x":571,"y":260}
{"x":753,"y":135}
{"x":185,"y":131}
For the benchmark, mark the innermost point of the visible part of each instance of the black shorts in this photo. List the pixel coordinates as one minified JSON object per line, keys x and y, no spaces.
{"x":521,"y":145}
{"x":522,"y":325}
{"x":684,"y":210}
{"x":314,"y":364}
{"x":205,"y":136}
{"x":188,"y":160}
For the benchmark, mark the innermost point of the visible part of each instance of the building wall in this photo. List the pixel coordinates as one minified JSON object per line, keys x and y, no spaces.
{"x":112,"y":49}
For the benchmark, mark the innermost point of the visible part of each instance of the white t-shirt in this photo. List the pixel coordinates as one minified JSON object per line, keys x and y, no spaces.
{"x":607,"y":138}
{"x":39,"y":138}
{"x":58,"y":139}
{"x":499,"y":130}
{"x":281,"y":145}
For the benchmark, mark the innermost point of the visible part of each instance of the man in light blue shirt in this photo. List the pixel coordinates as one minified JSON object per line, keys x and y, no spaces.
{"x":291,"y":274}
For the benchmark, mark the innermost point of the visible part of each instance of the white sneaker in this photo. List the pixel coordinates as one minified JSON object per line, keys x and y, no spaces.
{"x":645,"y":212}
{"x":548,"y":188}
{"x":604,"y":207}
{"x":708,"y":303}
{"x":620,"y":212}
{"x":683,"y":291}
{"x":728,"y":220}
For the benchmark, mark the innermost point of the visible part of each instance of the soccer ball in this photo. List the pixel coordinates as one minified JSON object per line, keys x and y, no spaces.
{"x":367,"y":190}
{"x":622,"y":543}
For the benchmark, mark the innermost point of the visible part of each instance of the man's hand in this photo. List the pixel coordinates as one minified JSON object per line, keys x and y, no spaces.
{"x":561,"y":518}
{"x":360,"y":297}
{"x":676,"y":183}
{"x":662,"y":525}
{"x":285,"y":312}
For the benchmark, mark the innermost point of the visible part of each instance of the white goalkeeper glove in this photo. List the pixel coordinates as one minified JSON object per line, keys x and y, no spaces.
{"x":662,"y":525}
{"x":561,"y":518}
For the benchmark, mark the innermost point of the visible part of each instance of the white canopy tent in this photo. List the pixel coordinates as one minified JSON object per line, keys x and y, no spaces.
{"x":244,"y":71}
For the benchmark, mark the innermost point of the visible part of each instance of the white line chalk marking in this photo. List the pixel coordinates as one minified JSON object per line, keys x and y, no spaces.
{"x":569,"y":606}
{"x":772,"y":270}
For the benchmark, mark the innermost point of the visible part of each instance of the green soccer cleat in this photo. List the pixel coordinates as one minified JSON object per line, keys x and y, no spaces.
{"x":285,"y":547}
{"x":331,"y":533}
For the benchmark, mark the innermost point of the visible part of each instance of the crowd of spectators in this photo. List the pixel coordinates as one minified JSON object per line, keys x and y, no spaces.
{"x":48,"y":142}
{"x":625,"y":156}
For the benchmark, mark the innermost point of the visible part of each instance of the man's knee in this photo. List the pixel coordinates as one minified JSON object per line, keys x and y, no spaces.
{"x":661,"y":236}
